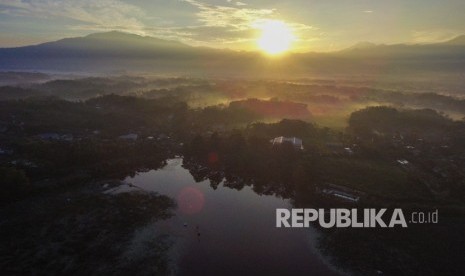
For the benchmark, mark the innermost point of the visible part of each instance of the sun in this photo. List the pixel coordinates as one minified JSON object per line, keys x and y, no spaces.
{"x":276,"y":37}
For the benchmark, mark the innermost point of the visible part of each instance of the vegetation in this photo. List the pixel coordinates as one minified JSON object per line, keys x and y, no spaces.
{"x":83,"y":231}
{"x":55,"y":154}
{"x":14,"y":184}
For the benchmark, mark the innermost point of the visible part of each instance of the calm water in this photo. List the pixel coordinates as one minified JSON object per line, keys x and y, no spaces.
{"x":229,"y":232}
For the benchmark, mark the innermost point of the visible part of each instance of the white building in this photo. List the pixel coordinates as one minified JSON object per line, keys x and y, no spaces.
{"x":296,"y":142}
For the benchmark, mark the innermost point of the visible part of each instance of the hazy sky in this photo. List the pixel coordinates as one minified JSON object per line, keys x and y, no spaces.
{"x":319,"y":25}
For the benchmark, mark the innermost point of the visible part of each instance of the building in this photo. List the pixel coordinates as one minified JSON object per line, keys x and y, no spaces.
{"x":129,"y":137}
{"x":296,"y":142}
{"x":341,"y":192}
{"x":341,"y":195}
{"x":51,"y":136}
{"x":403,"y":162}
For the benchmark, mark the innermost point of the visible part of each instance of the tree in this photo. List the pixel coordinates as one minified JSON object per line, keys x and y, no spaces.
{"x":14,"y":184}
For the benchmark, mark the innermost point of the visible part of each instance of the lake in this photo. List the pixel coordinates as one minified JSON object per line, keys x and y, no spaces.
{"x":224,"y":231}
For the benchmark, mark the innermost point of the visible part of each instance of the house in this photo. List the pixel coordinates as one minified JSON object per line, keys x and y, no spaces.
{"x":341,"y":192}
{"x":403,"y":162}
{"x":52,"y":136}
{"x":49,"y":136}
{"x":341,"y":195}
{"x":24,"y":163}
{"x":349,"y":151}
{"x":4,"y":151}
{"x":296,"y":142}
{"x":130,"y":136}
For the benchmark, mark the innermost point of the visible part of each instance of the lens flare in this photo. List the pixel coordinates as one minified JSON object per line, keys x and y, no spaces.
{"x":190,"y":200}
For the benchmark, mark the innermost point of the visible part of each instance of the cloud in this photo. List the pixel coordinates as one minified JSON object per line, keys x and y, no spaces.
{"x":434,"y":35}
{"x":234,"y":17}
{"x":203,"y":35}
{"x":210,"y":24}
{"x":103,"y":14}
{"x":368,"y":11}
{"x":228,"y":24}
{"x":238,"y":3}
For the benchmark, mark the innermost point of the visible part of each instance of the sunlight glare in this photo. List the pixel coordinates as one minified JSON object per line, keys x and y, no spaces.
{"x":276,"y":37}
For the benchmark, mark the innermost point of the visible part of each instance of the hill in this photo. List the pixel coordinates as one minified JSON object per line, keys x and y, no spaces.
{"x":116,"y":51}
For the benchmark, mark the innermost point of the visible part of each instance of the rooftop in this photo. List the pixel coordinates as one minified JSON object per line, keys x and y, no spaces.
{"x":296,"y":142}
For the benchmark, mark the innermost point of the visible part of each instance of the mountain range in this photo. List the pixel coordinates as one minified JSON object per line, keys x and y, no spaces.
{"x":117,"y":51}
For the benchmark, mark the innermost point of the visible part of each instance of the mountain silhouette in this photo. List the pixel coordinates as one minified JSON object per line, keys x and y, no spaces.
{"x":459,"y":40}
{"x":119,"y":51}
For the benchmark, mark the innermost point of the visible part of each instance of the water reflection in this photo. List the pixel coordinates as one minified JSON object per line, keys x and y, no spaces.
{"x":224,"y":231}
{"x":225,"y":224}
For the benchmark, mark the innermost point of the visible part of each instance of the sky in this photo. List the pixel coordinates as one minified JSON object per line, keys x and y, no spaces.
{"x":317,"y":25}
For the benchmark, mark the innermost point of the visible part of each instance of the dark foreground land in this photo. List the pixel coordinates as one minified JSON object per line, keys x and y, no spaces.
{"x":58,"y":156}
